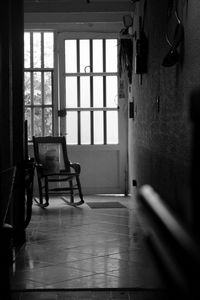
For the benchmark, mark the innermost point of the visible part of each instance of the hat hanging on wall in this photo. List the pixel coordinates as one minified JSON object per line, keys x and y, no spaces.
{"x":127,"y":21}
{"x":173,"y":55}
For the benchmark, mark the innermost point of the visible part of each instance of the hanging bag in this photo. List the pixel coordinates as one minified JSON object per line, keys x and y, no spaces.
{"x":141,"y":58}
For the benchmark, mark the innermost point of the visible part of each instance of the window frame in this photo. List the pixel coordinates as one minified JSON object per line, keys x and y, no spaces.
{"x":63,"y":111}
{"x":42,"y":69}
{"x":57,"y":85}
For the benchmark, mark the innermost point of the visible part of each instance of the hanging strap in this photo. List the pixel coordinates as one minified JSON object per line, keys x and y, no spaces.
{"x":144,"y":14}
{"x":173,"y":10}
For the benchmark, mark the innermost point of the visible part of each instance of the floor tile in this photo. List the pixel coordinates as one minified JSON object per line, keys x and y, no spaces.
{"x":74,"y":248}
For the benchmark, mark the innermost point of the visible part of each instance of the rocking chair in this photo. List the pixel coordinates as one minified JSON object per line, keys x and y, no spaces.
{"x":54,"y":167}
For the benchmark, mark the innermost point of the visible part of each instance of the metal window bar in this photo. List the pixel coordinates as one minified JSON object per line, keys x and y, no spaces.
{"x":104,"y":93}
{"x":32,"y":106}
{"x":42,"y":70}
{"x":32,"y":115}
{"x":42,"y":78}
{"x":90,"y":74}
{"x":31,"y":81}
{"x":42,"y":49}
{"x":91,"y":96}
{"x":78,"y":93}
{"x":91,"y":109}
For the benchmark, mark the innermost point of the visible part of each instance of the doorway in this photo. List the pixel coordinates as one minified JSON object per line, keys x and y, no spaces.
{"x":92,"y":115}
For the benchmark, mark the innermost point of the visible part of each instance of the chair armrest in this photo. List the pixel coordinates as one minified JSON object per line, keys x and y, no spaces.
{"x":76,"y":167}
{"x":38,"y":166}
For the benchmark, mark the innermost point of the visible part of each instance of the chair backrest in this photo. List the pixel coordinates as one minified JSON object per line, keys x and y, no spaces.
{"x":51,"y":152}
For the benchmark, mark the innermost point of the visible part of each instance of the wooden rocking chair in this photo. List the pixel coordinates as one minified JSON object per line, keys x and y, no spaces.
{"x":53,"y":166}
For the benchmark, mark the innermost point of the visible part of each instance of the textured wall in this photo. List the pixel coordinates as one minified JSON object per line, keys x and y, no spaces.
{"x":161,"y":135}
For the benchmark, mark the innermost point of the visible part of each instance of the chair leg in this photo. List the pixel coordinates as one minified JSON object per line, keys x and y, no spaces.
{"x":46,"y":192}
{"x":40,"y":190}
{"x":79,"y":190}
{"x":71,"y":191}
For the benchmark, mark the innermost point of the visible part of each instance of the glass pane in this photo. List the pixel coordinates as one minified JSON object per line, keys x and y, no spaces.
{"x":84,"y":55}
{"x":111,"y":55}
{"x":98,"y":91}
{"x":71,"y":91}
{"x":85,"y":91}
{"x":36,"y":50}
{"x":112,"y":127}
{"x":111,"y":91}
{"x":47,"y":88}
{"x":28,"y":118}
{"x":72,"y":128}
{"x":48,"y":121}
{"x":37,"y":94}
{"x":27,"y":88}
{"x":85,"y":128}
{"x":97,"y":56}
{"x":27,"y":61}
{"x":48,"y":50}
{"x":70,"y":56}
{"x":98,"y":127}
{"x":37,"y":116}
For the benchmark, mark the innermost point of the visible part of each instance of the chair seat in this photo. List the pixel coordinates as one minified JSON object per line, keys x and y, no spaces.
{"x":60,"y":176}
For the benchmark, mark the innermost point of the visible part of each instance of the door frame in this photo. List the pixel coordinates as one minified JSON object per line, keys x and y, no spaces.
{"x":76,"y":152}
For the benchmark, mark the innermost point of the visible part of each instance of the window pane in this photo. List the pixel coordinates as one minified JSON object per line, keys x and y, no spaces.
{"x":37,"y":50}
{"x":111,"y":55}
{"x":85,"y":128}
{"x":71,"y":91}
{"x":47,"y":88}
{"x":37,"y":112}
{"x":48,"y":50}
{"x":27,"y":88}
{"x":98,"y":127}
{"x":97,"y":56}
{"x":37,"y":94}
{"x":72,"y":128}
{"x":84,"y":55}
{"x":29,"y":122}
{"x":27,"y":50}
{"x":112,"y":127}
{"x":111,"y":91}
{"x":98,"y":91}
{"x":48,"y":121}
{"x":70,"y":56}
{"x":85,"y":91}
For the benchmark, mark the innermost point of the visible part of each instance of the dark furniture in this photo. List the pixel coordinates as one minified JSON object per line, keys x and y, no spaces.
{"x":29,"y":169}
{"x":174,"y":246}
{"x":54,"y":170}
{"x":7,"y":180}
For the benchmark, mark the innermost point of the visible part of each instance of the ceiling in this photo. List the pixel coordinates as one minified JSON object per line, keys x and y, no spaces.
{"x":78,"y":5}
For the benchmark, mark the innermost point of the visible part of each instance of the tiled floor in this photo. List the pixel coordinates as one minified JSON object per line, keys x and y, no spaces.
{"x":83,"y":248}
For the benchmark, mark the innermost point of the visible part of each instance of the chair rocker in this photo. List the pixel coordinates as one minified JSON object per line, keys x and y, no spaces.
{"x":54,"y":168}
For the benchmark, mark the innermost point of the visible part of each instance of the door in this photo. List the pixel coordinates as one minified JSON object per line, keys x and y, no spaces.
{"x":92,"y":116}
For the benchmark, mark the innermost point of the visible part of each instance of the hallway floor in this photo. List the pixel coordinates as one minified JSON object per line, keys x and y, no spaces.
{"x":71,"y":249}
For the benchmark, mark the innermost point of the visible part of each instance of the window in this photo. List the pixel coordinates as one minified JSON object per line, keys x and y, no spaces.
{"x":91,"y":89}
{"x":38,"y":82}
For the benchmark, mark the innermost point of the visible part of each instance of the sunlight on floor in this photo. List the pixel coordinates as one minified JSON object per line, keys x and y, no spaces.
{"x":79,"y":247}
